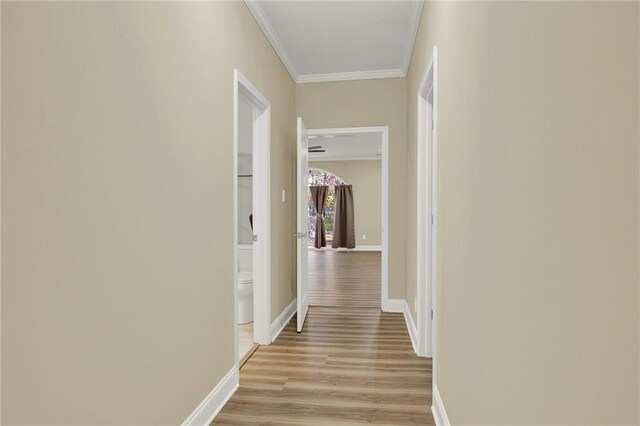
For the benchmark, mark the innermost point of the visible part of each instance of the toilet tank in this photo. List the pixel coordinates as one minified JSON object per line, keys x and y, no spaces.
{"x":245,"y":257}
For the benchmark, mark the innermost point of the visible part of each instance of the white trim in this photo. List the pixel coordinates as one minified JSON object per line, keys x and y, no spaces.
{"x":426,"y":177}
{"x":261,"y":203}
{"x":385,"y":217}
{"x":416,"y":13}
{"x":351,"y":75}
{"x":257,"y":12}
{"x":262,"y":225}
{"x":283,"y":319}
{"x":395,"y":305}
{"x":411,"y":326}
{"x":321,"y":159}
{"x":366,"y":248}
{"x":236,"y":330}
{"x":437,"y":408}
{"x":209,"y":408}
{"x":272,"y":36}
{"x":384,"y":130}
{"x":302,"y":224}
{"x":401,"y":306}
{"x":356,"y":248}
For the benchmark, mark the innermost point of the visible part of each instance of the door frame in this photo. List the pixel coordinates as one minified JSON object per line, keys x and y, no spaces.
{"x":426,"y":235}
{"x":261,"y":154}
{"x":384,"y":131}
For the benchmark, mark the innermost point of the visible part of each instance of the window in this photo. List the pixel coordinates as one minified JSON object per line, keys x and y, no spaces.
{"x":319,"y":177}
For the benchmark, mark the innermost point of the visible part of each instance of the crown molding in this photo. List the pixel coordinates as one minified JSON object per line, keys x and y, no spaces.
{"x":416,"y":13}
{"x":257,"y":12}
{"x":355,"y":75}
{"x":272,"y":36}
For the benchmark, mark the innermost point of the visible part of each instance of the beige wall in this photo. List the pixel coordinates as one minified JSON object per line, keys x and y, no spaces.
{"x":117,"y":191}
{"x":363,"y":103}
{"x":537,"y":270}
{"x":366,"y":178}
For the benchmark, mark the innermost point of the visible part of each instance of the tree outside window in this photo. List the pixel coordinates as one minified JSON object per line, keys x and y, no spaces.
{"x":319,"y":177}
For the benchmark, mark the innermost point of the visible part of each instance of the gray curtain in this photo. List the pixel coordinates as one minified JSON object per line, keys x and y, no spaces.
{"x":319,"y":196}
{"x":344,"y":234}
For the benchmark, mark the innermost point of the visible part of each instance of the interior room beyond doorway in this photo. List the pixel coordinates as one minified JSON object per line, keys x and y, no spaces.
{"x":346,"y":208}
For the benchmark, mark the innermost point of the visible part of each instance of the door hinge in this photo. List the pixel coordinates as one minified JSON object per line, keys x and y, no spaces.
{"x":254,"y":238}
{"x":431,"y":313}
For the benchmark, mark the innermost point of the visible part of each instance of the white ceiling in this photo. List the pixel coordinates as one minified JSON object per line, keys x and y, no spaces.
{"x":340,"y":40}
{"x":356,"y":146}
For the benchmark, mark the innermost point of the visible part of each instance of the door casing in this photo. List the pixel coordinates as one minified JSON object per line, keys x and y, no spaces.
{"x":261,"y":209}
{"x":426,"y":226}
{"x":384,"y":133}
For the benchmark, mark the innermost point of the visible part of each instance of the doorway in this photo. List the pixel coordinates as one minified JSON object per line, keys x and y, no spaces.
{"x":346,"y":157}
{"x":426,"y":201}
{"x":252,"y":233}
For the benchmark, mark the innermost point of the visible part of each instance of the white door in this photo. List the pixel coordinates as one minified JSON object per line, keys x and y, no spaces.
{"x":303,"y":224}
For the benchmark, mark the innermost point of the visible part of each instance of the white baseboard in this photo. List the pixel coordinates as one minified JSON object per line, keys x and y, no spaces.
{"x":357,"y":248}
{"x":209,"y":408}
{"x":282,"y":320}
{"x":401,"y":306}
{"x":394,"y":305}
{"x":367,"y":248}
{"x":437,"y":408}
{"x":411,"y":326}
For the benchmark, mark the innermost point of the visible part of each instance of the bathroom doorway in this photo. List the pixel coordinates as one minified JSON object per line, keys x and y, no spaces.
{"x":251,"y":218}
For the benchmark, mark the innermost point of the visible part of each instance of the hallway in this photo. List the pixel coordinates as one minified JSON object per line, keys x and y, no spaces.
{"x":351,"y":364}
{"x":348,"y":366}
{"x":166,"y":165}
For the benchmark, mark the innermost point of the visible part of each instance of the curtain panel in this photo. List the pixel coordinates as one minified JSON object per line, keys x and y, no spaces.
{"x":344,"y":234}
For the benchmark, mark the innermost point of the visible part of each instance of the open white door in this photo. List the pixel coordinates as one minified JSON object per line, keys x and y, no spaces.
{"x":303,"y":224}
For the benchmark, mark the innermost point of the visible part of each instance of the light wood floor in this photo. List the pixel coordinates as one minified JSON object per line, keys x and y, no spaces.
{"x":349,"y":279}
{"x":348,"y":366}
{"x":352,"y":363}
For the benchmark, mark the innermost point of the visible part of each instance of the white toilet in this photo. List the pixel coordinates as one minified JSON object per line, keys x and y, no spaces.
{"x":245,"y":283}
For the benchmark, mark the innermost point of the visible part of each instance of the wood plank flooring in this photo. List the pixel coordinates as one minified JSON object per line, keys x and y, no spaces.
{"x":350,"y":365}
{"x":342,"y":278}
